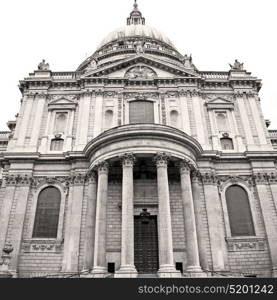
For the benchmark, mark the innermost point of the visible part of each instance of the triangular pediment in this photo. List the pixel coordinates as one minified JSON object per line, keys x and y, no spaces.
{"x":61,"y":102}
{"x":162,"y":69}
{"x":219,"y":102}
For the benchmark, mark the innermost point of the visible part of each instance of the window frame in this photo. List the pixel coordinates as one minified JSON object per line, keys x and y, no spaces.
{"x":251,"y":199}
{"x":227,"y":138}
{"x":56,"y":139}
{"x":36,"y":214}
{"x":155,"y":109}
{"x":33,"y":211}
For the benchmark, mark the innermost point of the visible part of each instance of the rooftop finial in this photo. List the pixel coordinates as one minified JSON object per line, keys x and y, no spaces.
{"x":135,"y":16}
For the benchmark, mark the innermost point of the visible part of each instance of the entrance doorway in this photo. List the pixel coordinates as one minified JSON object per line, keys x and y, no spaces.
{"x":146,"y":244}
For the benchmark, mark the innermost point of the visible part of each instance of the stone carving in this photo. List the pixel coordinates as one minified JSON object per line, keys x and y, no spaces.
{"x":237,"y":66}
{"x":43,"y":66}
{"x":127,"y":159}
{"x":102,"y":167}
{"x":18,"y":179}
{"x":245,"y":244}
{"x":90,"y":177}
{"x":77,"y":179}
{"x":187,"y":61}
{"x":42,"y":245}
{"x":260,"y":178}
{"x":140,"y":72}
{"x":62,"y":180}
{"x":120,"y":109}
{"x":140,"y":96}
{"x":195,"y":175}
{"x":63,"y":97}
{"x":186,"y":166}
{"x":5,"y":258}
{"x":139,"y":47}
{"x":209,"y":178}
{"x":144,"y":216}
{"x":92,"y":65}
{"x":161,"y":159}
{"x":163,"y":110}
{"x":248,"y":180}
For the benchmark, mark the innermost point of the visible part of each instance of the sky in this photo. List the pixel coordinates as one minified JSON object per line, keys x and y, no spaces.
{"x":66,"y":32}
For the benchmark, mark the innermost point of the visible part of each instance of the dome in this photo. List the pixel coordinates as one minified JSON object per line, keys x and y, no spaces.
{"x":136,"y":30}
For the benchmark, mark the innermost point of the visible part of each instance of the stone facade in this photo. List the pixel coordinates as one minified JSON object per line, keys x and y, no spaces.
{"x":74,"y":131}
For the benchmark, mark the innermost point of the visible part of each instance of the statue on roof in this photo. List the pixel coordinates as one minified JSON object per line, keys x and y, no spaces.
{"x":187,"y":61}
{"x":92,"y":65}
{"x":139,"y":46}
{"x":43,"y":66}
{"x":237,"y":65}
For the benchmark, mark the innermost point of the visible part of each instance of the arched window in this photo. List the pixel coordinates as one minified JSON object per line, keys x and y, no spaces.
{"x":226,"y":143}
{"x":221,"y":122}
{"x":108,"y":119}
{"x":47,"y":213}
{"x":60,"y":122}
{"x":174,"y":118}
{"x":141,"y":112}
{"x":239,"y":212}
{"x":56,"y":144}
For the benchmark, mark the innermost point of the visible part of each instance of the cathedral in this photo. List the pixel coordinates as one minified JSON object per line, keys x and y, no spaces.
{"x":138,"y":164}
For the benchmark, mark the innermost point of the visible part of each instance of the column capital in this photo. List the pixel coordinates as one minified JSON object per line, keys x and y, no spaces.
{"x":128,"y":159}
{"x":91,"y":176}
{"x":186,"y":166}
{"x":195,"y":176}
{"x":209,"y":178}
{"x":161,"y":159}
{"x":102,"y":167}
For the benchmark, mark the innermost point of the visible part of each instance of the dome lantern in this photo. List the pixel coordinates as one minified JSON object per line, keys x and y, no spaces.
{"x":135,"y":16}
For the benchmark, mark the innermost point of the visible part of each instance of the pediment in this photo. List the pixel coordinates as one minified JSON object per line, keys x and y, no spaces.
{"x":219,"y":102}
{"x":161,"y":69}
{"x":62,"y":102}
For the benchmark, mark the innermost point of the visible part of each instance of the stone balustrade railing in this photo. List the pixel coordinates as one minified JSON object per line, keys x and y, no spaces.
{"x":215,"y":75}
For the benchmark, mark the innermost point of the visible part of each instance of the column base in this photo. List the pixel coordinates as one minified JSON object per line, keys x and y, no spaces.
{"x":128,"y":271}
{"x":194,"y":272}
{"x":168,"y":271}
{"x":98,"y":272}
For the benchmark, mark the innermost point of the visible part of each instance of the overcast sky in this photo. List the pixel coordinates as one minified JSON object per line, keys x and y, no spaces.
{"x":65,"y":32}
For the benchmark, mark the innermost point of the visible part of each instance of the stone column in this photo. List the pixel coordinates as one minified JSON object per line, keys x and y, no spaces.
{"x":198,"y":220}
{"x":127,"y":267}
{"x":40,"y":99}
{"x":269,"y":216}
{"x":193,"y":265}
{"x":166,"y":260}
{"x":99,"y":263}
{"x":15,"y":230}
{"x":214,"y":215}
{"x":10,"y":186}
{"x":73,"y":224}
{"x":83,"y":121}
{"x":90,"y":221}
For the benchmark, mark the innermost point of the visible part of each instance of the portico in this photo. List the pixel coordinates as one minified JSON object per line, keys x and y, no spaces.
{"x":158,"y":162}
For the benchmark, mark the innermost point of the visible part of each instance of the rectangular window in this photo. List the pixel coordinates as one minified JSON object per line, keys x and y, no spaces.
{"x":141,"y":112}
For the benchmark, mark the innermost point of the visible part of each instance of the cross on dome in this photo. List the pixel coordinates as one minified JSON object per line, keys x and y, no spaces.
{"x":135,"y":16}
